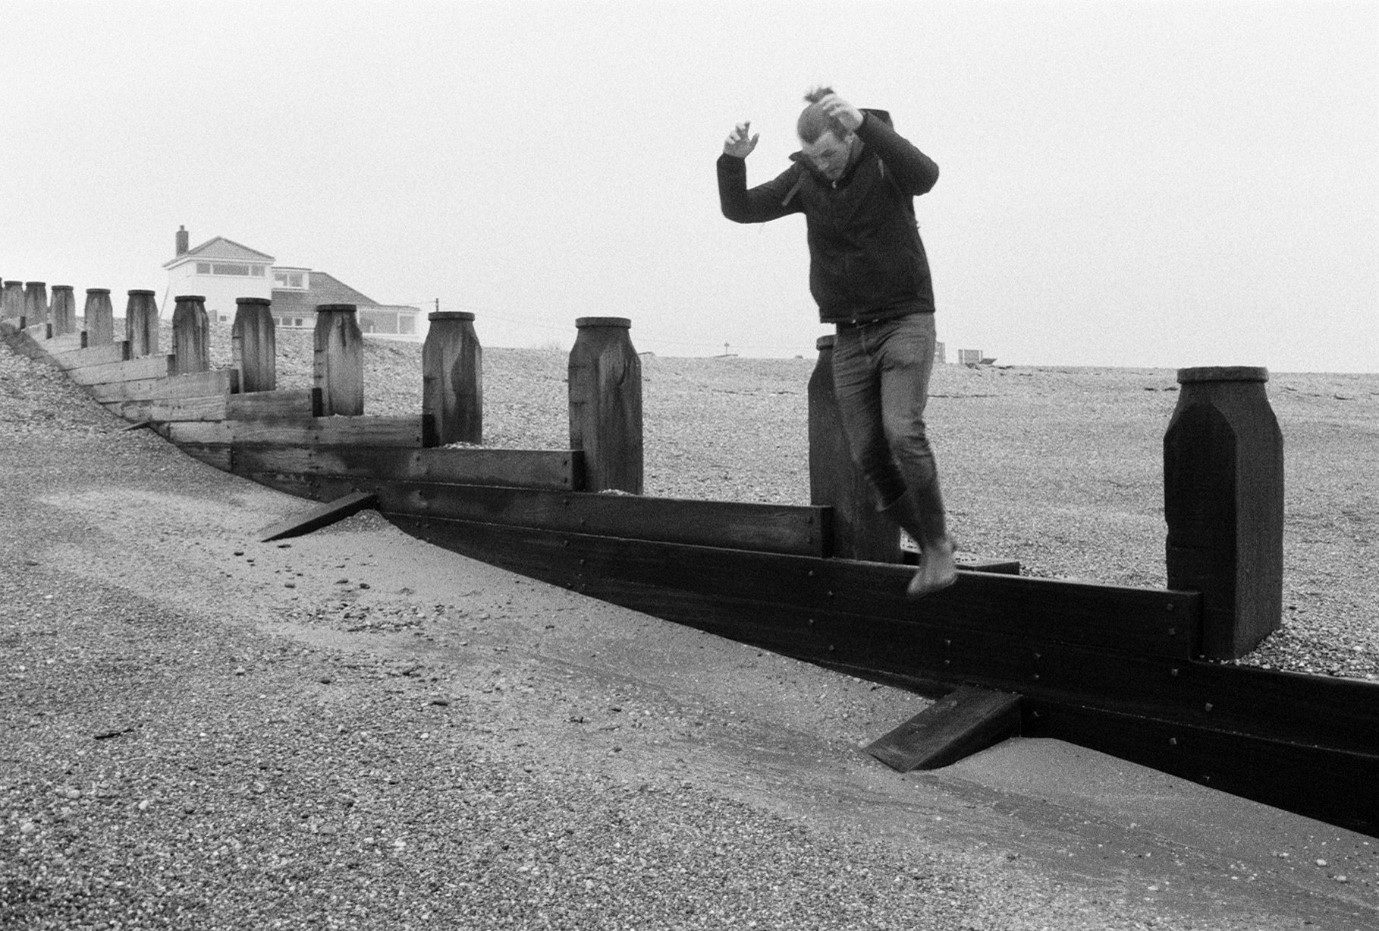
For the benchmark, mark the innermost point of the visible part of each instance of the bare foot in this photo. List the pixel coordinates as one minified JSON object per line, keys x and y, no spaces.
{"x":937,"y":570}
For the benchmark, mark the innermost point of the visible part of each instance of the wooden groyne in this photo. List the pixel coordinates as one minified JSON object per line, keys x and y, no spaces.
{"x":1130,"y":671}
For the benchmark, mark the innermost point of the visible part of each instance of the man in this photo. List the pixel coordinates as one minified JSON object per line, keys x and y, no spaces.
{"x":854,"y":179}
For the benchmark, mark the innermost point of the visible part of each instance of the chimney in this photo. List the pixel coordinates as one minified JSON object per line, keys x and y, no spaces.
{"x":182,"y":243}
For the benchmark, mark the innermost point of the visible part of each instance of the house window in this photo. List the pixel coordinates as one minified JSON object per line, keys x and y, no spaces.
{"x":223,"y":269}
{"x":406,"y":323}
{"x":288,"y":279}
{"x":203,"y":268}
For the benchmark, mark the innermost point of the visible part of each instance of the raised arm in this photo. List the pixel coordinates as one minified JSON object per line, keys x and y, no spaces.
{"x":913,"y":171}
{"x":761,"y":203}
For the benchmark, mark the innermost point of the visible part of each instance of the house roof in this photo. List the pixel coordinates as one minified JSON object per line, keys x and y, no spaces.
{"x":324,"y":289}
{"x":221,"y":248}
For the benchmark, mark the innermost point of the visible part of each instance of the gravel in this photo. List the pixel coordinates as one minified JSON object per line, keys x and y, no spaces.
{"x":209,"y":733}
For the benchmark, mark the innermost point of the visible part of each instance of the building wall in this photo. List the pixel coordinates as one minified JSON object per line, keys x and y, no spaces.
{"x":220,"y":291}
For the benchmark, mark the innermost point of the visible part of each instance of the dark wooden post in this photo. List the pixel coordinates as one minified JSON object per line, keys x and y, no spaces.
{"x":605,"y":383}
{"x":12,"y":301}
{"x":1223,"y":501}
{"x":338,"y":367}
{"x":35,"y":303}
{"x":254,"y":344}
{"x":452,"y":386}
{"x":141,"y":324}
{"x":63,"y":310}
{"x":860,"y":531}
{"x":98,"y":322}
{"x":191,"y":335}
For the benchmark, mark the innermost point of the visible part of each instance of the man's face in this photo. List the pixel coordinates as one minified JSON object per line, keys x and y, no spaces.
{"x":829,"y":154}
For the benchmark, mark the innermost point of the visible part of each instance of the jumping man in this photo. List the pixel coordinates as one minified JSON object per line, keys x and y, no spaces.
{"x":854,"y":179}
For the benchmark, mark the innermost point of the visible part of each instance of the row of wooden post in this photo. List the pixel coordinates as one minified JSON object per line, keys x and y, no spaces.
{"x":1223,"y":465}
{"x":27,"y":303}
{"x":1223,"y":452}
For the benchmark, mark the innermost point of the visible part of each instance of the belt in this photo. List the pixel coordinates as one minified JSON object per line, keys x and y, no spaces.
{"x":855,"y":324}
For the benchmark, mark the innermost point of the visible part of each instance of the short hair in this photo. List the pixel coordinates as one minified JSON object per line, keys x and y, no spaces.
{"x":813,"y":122}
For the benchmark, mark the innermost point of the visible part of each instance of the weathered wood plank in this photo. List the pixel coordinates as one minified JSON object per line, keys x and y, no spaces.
{"x":403,"y":432}
{"x":909,"y":554}
{"x":763,"y":527}
{"x":1115,"y":619}
{"x":210,"y":433}
{"x":961,"y":723}
{"x":1140,"y":620}
{"x":214,"y":454}
{"x":67,"y":342}
{"x":318,"y":517}
{"x":195,"y":385}
{"x":296,"y":404}
{"x":158,"y":366}
{"x":1312,"y":779}
{"x":95,"y":355}
{"x":312,"y":487}
{"x":166,"y":410}
{"x":524,"y":468}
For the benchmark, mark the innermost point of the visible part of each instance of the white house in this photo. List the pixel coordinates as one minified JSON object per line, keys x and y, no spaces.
{"x":222,"y":270}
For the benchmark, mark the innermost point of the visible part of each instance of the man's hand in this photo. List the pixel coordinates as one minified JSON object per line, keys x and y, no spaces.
{"x":839,"y":109}
{"x":739,"y":144}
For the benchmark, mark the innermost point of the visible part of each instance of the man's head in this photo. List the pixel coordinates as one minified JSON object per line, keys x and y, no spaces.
{"x":824,"y":140}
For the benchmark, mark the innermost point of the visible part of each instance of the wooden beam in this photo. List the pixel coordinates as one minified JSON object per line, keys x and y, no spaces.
{"x":95,"y":355}
{"x":67,"y":342}
{"x":195,"y":385}
{"x":210,"y":408}
{"x":405,"y":432}
{"x":839,"y":594}
{"x":318,"y":517}
{"x":158,"y":366}
{"x":963,"y":722}
{"x":214,"y":454}
{"x":212,"y":433}
{"x":909,"y":554}
{"x":525,"y":468}
{"x":294,"y":404}
{"x":760,"y":527}
{"x":1310,"y":778}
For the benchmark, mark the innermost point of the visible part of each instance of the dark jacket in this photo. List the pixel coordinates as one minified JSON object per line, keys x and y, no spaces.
{"x":866,"y":260}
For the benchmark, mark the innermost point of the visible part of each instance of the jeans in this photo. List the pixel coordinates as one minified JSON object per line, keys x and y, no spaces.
{"x":881,"y":377}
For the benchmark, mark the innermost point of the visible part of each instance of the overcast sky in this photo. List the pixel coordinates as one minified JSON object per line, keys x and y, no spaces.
{"x":1122,"y":184}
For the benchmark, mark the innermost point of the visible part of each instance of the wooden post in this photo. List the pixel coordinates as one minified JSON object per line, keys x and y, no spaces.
{"x":141,"y":324}
{"x":338,"y":366}
{"x":605,"y":384}
{"x":12,"y":301}
{"x":191,"y":335}
{"x":98,"y":325}
{"x":860,"y":531}
{"x":254,"y":344}
{"x":63,"y":310}
{"x":1223,"y":501}
{"x":35,"y":303}
{"x":452,"y":387}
